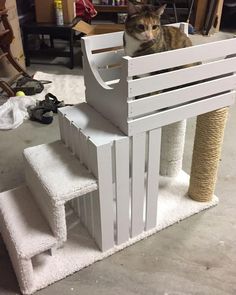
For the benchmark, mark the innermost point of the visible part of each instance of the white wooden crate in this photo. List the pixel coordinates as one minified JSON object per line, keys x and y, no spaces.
{"x":186,"y":92}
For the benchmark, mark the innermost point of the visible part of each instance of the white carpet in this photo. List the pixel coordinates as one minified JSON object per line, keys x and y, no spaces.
{"x":80,"y":249}
{"x":69,"y":88}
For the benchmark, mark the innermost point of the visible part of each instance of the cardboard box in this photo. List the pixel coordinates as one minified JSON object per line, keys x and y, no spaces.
{"x":89,"y":30}
{"x":45,"y":11}
{"x":7,"y":70}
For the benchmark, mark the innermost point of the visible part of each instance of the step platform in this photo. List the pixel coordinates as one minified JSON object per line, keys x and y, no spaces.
{"x":80,"y":250}
{"x":55,"y":177}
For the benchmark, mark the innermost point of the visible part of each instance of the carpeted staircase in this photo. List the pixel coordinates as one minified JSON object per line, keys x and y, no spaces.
{"x":56,"y":223}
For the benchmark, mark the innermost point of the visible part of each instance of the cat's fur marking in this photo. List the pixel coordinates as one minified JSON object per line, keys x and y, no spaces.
{"x":144,"y":34}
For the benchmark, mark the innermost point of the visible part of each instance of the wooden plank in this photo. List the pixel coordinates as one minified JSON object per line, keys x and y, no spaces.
{"x":83,"y":217}
{"x":83,"y":148}
{"x":67,"y":131}
{"x":156,"y":102}
{"x":77,"y":142}
{"x":89,"y":213}
{"x":153,"y":177}
{"x":122,"y":190}
{"x":97,"y":232}
{"x":137,"y":195}
{"x":181,"y":77}
{"x":179,"y":113}
{"x":179,"y":57}
{"x":61,"y":126}
{"x":103,"y":59}
{"x":73,"y":133}
{"x":104,"y":160}
{"x":102,"y":41}
{"x":92,"y":157}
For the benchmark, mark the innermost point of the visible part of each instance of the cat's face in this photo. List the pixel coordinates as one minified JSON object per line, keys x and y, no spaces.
{"x":143,"y":22}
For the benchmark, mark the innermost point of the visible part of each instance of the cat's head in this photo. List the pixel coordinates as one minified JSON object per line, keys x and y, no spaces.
{"x":143,"y":21}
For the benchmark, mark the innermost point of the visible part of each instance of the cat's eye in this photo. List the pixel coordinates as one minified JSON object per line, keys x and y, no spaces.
{"x":154,"y":27}
{"x":141,"y":27}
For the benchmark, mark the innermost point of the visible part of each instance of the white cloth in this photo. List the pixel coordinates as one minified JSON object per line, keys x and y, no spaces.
{"x":14,"y":111}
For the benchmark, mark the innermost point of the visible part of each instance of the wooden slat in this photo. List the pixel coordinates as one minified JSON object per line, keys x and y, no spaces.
{"x":92,"y":159}
{"x":89,"y":213}
{"x":76,"y":140}
{"x":104,"y":161}
{"x":104,"y":40}
{"x":180,"y":77}
{"x":66,"y":130}
{"x":152,"y":177}
{"x":122,"y":190}
{"x":83,"y":217}
{"x":137,"y":197}
{"x":179,"y":113}
{"x":179,"y":57}
{"x":155,"y":102}
{"x":83,"y":148}
{"x":102,"y":59}
{"x":61,"y":126}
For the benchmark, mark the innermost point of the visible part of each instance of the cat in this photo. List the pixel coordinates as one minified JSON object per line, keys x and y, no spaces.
{"x":144,"y":33}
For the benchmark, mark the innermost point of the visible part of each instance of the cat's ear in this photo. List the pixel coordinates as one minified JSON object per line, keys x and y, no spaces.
{"x":133,"y":9}
{"x":161,"y":10}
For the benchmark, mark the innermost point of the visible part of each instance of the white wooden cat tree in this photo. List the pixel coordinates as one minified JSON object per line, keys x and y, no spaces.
{"x":98,"y":189}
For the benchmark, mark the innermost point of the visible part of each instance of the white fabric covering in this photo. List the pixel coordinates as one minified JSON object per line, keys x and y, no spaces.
{"x":80,"y":250}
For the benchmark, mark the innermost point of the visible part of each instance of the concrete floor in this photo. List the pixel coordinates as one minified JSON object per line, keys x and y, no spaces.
{"x":196,"y":256}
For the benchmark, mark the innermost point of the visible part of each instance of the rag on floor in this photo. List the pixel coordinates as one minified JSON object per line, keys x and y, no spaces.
{"x":14,"y":111}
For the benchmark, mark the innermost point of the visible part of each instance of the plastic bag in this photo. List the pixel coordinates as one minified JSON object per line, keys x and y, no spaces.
{"x":14,"y":111}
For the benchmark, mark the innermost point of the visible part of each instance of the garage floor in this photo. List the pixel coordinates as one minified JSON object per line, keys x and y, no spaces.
{"x":196,"y":256}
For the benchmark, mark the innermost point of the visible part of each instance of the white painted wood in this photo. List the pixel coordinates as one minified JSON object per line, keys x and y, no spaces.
{"x":104,"y":161}
{"x":180,"y":77}
{"x":111,"y":99}
{"x":76,"y":141}
{"x":66,"y":124}
{"x":83,"y":217}
{"x":152,"y":103}
{"x":179,"y":57}
{"x":154,"y":145}
{"x":73,"y":135}
{"x":103,"y":59}
{"x":182,"y":112}
{"x":97,"y":230}
{"x":122,"y":190}
{"x":92,"y":158}
{"x":83,"y":148}
{"x":89,"y":213}
{"x":104,"y":40}
{"x":137,"y":195}
{"x":107,"y":100}
{"x":110,"y":74}
{"x":61,"y":126}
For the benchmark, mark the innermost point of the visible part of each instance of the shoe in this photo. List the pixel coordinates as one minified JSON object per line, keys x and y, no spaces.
{"x":51,"y":102}
{"x":41,"y":114}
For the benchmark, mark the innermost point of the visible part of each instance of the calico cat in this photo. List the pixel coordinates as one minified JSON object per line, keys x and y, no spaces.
{"x":144,"y":33}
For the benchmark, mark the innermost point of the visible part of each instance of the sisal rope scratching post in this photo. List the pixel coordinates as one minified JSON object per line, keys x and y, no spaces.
{"x":206,"y":154}
{"x":172,"y":148}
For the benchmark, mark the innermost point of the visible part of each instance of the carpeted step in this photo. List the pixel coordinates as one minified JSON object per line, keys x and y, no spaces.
{"x":22,"y":225}
{"x":55,"y":176}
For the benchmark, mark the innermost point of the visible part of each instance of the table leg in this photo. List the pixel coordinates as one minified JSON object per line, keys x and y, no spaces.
{"x":26,"y":50}
{"x":71,"y":49}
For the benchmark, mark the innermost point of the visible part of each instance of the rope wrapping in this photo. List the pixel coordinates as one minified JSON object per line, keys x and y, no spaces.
{"x":206,"y":154}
